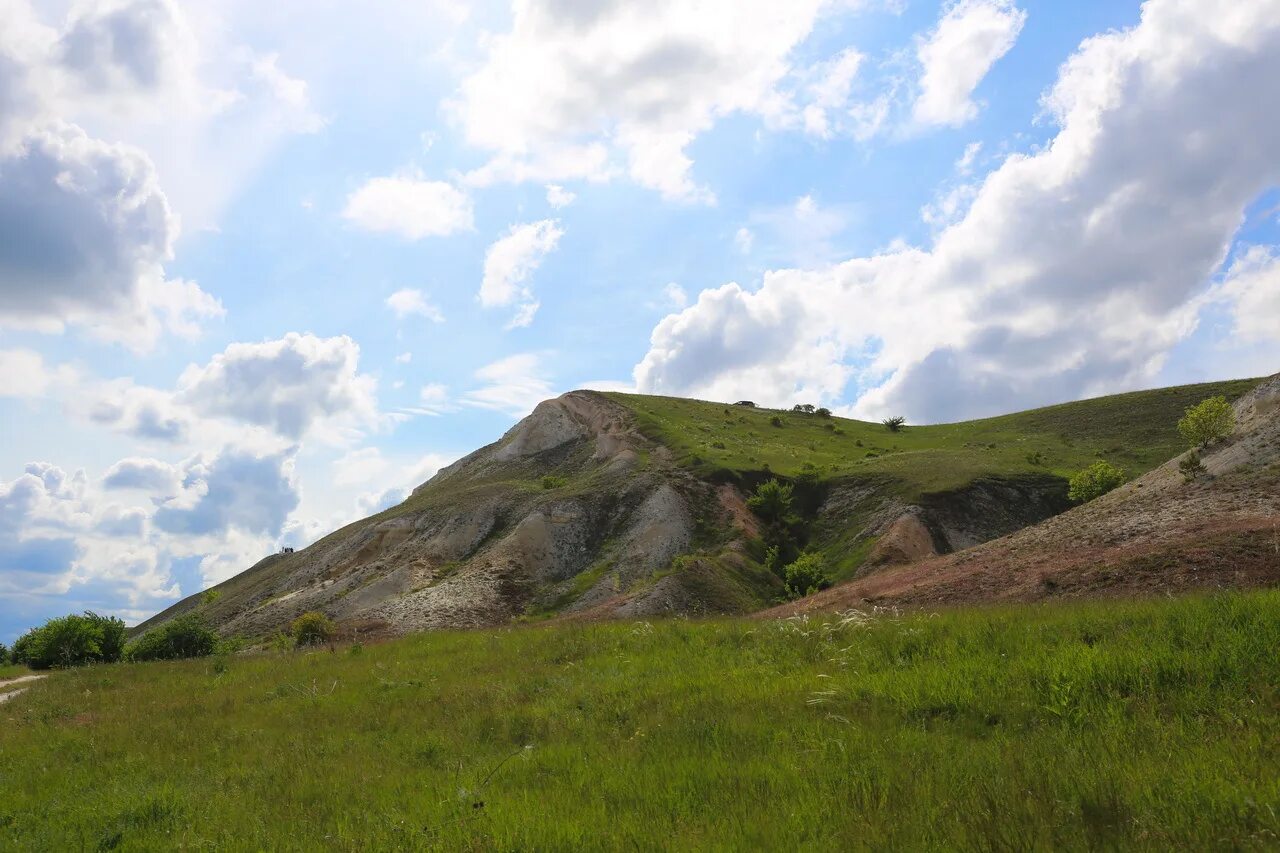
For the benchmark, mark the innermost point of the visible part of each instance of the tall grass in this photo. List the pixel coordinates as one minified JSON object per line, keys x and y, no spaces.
{"x":1150,"y":725}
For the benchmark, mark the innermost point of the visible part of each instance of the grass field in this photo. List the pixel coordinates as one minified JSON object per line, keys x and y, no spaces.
{"x":1151,"y":725}
{"x":1136,"y":431}
{"x":8,"y":671}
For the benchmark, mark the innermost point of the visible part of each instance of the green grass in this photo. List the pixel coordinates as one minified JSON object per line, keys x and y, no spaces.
{"x":1136,"y":431}
{"x":11,"y":671}
{"x":1141,"y":725}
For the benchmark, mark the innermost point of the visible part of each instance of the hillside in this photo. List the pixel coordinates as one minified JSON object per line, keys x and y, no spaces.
{"x":1156,"y":534}
{"x":621,"y":505}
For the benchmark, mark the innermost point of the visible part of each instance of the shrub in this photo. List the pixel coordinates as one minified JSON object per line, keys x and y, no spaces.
{"x":71,"y":641}
{"x":822,"y":412}
{"x":554,"y":481}
{"x":185,"y":636}
{"x":1207,"y":421}
{"x":4,"y":654}
{"x":895,"y":423}
{"x":776,"y":421}
{"x":803,"y":408}
{"x":1035,"y":458}
{"x":1094,"y":481}
{"x":805,"y":576}
{"x":311,"y":629}
{"x":1191,"y":467}
{"x":718,"y":445}
{"x":772,"y":502}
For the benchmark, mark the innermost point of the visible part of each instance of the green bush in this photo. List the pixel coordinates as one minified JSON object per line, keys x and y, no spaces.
{"x":71,"y":641}
{"x":805,"y":576}
{"x":311,"y":629}
{"x":1207,"y":421}
{"x":895,"y":423}
{"x":185,"y":636}
{"x":554,"y":481}
{"x":772,"y":501}
{"x":1191,"y":467}
{"x":1094,"y":481}
{"x":4,"y":654}
{"x":775,"y":421}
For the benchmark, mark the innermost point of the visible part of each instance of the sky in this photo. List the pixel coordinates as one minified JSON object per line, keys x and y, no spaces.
{"x":265,"y":267}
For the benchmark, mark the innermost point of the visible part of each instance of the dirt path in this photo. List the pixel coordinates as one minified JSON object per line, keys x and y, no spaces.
{"x":4,"y":685}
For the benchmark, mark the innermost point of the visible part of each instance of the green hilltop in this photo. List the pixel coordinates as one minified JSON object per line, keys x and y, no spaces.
{"x":1135,"y":431}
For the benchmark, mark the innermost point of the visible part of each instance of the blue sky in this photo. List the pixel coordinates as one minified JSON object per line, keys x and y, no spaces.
{"x":264,"y":269}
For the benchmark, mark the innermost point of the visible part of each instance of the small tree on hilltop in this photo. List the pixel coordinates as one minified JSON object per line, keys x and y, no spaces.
{"x":895,"y":423}
{"x":1094,"y":481}
{"x":311,"y":629}
{"x":4,"y":654}
{"x":1207,"y":421}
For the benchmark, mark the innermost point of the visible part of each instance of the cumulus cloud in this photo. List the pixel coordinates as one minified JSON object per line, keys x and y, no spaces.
{"x":410,"y":207}
{"x":512,"y":385}
{"x":87,"y":233}
{"x":409,"y":302}
{"x":24,"y":373}
{"x":570,"y":83}
{"x":1074,"y":270}
{"x":558,"y":196}
{"x":144,"y":413}
{"x":253,"y":494}
{"x":290,"y":385}
{"x":147,"y":475}
{"x":970,"y":38}
{"x":1252,"y":286}
{"x":510,"y":261}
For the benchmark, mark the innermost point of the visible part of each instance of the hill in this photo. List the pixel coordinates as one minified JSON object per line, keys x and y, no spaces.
{"x":602,"y":505}
{"x":1156,"y":534}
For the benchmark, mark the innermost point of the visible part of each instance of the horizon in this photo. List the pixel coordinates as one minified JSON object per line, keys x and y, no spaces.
{"x":267,"y":270}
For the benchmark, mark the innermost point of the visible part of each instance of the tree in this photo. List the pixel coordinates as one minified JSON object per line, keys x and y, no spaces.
{"x":185,"y":636}
{"x":1207,"y":421}
{"x":895,"y":423}
{"x":311,"y":629}
{"x":823,"y":412}
{"x":805,"y":576}
{"x":71,"y":641}
{"x":772,"y":502}
{"x":803,"y":408}
{"x":1191,"y":467}
{"x":1094,"y":481}
{"x":4,"y":654}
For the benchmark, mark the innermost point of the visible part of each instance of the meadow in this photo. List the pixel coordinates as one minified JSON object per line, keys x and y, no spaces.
{"x":1148,"y":725}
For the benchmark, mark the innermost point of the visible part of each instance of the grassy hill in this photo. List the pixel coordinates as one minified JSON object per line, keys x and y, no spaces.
{"x":1125,"y":725}
{"x":1135,"y":431}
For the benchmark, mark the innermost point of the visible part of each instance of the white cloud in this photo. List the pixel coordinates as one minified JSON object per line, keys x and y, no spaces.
{"x":964,"y":165}
{"x":558,"y":196}
{"x":232,"y":490}
{"x":86,"y":236}
{"x":1252,"y":285}
{"x":675,"y":295}
{"x":404,"y":358}
{"x":294,"y":385}
{"x":571,"y":83}
{"x":510,"y":261}
{"x":744,"y":239}
{"x":410,"y":207}
{"x":513,"y":385}
{"x":154,"y":476}
{"x":970,"y":37}
{"x":1074,"y":271}
{"x":829,"y":90}
{"x":409,"y":302}
{"x":23,"y":373}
